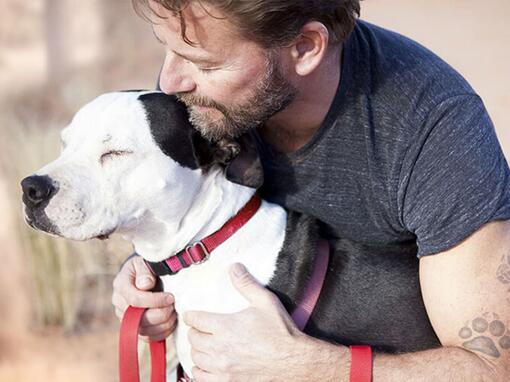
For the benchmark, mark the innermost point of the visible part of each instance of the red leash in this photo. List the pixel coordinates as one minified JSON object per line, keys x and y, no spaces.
{"x":128,"y":350}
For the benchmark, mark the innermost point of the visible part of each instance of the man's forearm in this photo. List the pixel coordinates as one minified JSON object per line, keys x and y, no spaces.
{"x":451,"y":364}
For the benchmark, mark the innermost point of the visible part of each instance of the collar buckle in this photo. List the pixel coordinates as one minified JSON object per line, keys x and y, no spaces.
{"x":199,"y":250}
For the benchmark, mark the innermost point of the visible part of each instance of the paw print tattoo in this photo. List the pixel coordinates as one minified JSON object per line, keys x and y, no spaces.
{"x":486,"y":336}
{"x":503,"y":271}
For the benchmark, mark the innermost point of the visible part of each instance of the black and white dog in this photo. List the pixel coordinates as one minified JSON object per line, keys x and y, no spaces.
{"x":132,"y":164}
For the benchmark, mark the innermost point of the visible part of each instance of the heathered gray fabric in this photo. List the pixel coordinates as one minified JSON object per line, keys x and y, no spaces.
{"x":407,"y":158}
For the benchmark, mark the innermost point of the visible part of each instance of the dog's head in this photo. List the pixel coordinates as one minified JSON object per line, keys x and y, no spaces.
{"x":124,"y":155}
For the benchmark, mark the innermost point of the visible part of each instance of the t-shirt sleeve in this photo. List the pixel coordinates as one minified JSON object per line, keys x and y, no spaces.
{"x":455,"y":176}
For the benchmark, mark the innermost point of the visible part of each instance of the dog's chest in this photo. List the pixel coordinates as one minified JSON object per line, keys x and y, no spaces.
{"x":208,"y":287}
{"x":204,"y":287}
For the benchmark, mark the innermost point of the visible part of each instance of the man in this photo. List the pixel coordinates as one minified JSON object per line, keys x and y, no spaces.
{"x":376,"y":137}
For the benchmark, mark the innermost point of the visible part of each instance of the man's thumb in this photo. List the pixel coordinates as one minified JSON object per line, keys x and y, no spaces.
{"x":246,"y":284}
{"x":144,"y":278}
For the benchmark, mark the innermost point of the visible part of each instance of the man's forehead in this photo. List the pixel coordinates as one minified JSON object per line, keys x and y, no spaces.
{"x":206,"y":27}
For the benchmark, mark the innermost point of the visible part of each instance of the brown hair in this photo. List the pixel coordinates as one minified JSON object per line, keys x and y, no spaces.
{"x":272,"y":23}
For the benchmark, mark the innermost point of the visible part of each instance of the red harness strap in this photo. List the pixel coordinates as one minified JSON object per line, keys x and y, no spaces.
{"x":308,"y":300}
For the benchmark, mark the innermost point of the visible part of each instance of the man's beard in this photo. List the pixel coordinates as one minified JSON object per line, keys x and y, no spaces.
{"x":272,"y":94}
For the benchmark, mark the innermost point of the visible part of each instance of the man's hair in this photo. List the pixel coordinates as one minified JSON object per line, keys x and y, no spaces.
{"x":271,"y":23}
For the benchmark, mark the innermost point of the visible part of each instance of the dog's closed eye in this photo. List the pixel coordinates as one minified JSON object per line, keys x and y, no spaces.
{"x":113,"y":153}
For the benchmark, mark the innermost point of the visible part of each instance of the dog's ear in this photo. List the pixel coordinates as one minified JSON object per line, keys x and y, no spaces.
{"x":246,"y":168}
{"x":208,"y":153}
{"x":203,"y":150}
{"x":239,"y":158}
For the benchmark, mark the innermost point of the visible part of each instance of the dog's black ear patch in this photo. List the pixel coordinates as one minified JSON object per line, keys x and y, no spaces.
{"x":246,"y":168}
{"x":209,"y":153}
{"x":170,"y":127}
{"x":203,"y":150}
{"x":168,"y":121}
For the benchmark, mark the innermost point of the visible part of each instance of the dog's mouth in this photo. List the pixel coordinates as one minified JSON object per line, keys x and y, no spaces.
{"x":39,"y":221}
{"x":105,"y":235}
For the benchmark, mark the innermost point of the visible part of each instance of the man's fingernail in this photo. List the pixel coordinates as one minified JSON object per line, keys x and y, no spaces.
{"x":239,"y":269}
{"x":170,"y":299}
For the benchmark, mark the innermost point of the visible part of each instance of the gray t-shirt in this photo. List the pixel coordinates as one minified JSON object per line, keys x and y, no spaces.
{"x":406,"y":159}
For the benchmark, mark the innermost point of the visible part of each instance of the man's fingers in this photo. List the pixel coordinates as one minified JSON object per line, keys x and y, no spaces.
{"x":119,"y":304}
{"x":204,"y":361}
{"x":202,"y":342}
{"x":155,"y":338}
{"x":158,"y":316}
{"x":204,"y":321}
{"x":200,"y":375}
{"x":119,"y":313}
{"x":248,"y":286}
{"x":156,"y":331}
{"x":144,"y":279}
{"x":141,"y":299}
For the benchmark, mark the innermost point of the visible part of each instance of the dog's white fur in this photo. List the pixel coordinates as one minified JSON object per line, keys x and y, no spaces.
{"x":158,"y":205}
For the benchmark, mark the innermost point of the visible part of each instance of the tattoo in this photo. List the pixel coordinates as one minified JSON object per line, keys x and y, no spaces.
{"x":503,"y":271}
{"x":488,"y":335}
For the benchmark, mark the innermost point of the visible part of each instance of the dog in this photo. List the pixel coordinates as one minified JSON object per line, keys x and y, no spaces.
{"x":132,"y":164}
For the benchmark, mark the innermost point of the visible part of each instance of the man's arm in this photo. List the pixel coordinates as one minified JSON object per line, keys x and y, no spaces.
{"x":466,"y":291}
{"x":467,"y":298}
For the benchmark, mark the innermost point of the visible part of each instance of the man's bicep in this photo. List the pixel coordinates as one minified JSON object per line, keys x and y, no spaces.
{"x":466,"y":291}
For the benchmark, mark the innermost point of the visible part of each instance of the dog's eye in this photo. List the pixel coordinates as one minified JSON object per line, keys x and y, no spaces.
{"x":113,"y":153}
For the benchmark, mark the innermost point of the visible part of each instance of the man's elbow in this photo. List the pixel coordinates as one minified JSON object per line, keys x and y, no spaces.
{"x":486,"y":369}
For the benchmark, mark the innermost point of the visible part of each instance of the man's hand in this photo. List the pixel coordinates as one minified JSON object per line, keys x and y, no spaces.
{"x":132,"y":287}
{"x":260,"y":343}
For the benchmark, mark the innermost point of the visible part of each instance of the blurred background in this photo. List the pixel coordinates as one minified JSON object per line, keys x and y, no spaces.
{"x":56,"y":319}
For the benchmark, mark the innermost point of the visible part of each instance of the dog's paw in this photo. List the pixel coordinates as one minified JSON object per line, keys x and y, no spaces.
{"x":486,"y":336}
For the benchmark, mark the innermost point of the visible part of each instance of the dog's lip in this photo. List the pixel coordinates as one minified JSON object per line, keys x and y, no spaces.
{"x":29,"y":221}
{"x":106,"y":234}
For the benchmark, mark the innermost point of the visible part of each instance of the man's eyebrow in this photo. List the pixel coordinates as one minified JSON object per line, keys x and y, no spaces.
{"x":194,"y":59}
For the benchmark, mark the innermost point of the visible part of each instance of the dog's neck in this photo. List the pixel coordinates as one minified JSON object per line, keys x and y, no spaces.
{"x":159,"y":236}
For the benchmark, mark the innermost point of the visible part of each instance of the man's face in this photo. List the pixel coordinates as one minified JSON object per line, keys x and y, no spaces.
{"x":229,"y":84}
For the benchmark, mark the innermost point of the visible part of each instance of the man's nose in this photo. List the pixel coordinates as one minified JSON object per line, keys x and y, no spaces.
{"x":175,"y":78}
{"x":37,"y":189}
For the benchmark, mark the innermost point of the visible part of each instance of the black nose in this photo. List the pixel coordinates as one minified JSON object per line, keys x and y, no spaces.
{"x":37,"y":189}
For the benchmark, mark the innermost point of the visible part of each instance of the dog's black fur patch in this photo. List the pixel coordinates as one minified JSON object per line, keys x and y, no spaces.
{"x":170,"y":127}
{"x":295,"y":260}
{"x":366,"y":299}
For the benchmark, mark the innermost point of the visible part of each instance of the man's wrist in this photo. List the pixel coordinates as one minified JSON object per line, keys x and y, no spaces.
{"x":327,"y":361}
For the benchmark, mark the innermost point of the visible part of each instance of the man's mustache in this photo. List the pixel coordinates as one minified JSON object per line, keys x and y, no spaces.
{"x":194,"y":100}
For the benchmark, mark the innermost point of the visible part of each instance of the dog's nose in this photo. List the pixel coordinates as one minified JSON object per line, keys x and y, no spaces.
{"x":37,"y":189}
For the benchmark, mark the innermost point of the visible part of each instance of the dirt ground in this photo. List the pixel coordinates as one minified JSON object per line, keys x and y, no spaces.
{"x":472,"y":36}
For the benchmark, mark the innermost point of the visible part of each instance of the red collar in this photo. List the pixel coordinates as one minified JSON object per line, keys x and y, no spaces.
{"x":200,"y":251}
